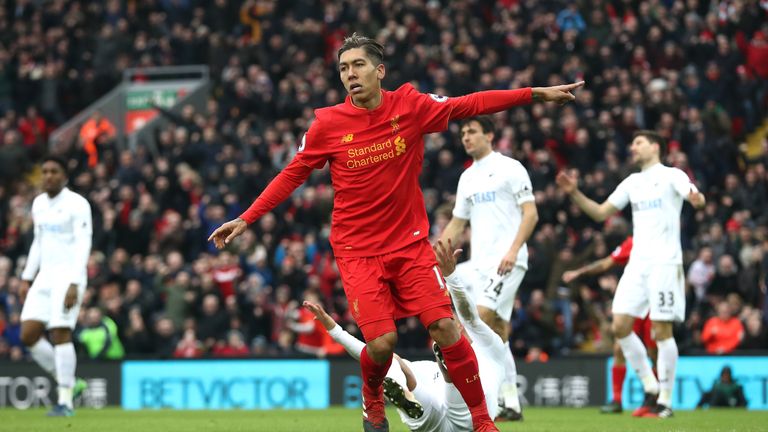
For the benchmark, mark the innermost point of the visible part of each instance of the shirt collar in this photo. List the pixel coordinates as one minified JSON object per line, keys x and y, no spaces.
{"x":486,"y":160}
{"x":652,"y":167}
{"x":356,"y":109}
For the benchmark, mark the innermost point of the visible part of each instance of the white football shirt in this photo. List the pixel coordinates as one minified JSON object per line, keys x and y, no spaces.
{"x":656,"y":195}
{"x":62,"y":242}
{"x":489,"y":195}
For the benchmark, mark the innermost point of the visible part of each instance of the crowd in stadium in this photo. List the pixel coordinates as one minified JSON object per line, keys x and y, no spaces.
{"x":694,"y":70}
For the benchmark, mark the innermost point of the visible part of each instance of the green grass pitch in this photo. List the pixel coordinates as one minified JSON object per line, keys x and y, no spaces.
{"x":339,"y":419}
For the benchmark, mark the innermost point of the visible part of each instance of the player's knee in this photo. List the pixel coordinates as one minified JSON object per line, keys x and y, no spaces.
{"x":29,"y":337}
{"x":487,"y":315}
{"x":501,"y":328}
{"x":444,"y":331}
{"x":620,"y":329}
{"x":61,"y":336}
{"x":661,"y":331}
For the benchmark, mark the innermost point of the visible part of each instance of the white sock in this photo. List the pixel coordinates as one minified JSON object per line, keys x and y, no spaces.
{"x":666,"y":367}
{"x":66,"y":360}
{"x":509,"y":387}
{"x":42,"y":353}
{"x":637,"y":358}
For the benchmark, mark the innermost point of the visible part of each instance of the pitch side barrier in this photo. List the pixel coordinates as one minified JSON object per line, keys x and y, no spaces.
{"x":695,"y":376}
{"x":307,"y":383}
{"x":23,"y":385}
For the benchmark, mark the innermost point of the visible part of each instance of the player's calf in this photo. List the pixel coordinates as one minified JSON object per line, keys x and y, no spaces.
{"x":374,"y":416}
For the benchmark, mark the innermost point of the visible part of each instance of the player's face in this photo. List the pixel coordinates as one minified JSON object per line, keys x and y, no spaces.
{"x":643,"y":151}
{"x":360,"y":76}
{"x":54,"y":178}
{"x":476,"y":143}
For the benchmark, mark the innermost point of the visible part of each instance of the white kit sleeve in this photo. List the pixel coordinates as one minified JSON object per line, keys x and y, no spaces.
{"x":82,"y":227}
{"x":353,"y":345}
{"x":34,"y":257}
{"x":467,"y":311}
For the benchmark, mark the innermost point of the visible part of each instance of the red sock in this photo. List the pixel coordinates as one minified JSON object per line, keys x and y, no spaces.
{"x":618,"y":373}
{"x":462,"y":366}
{"x":373,"y":375}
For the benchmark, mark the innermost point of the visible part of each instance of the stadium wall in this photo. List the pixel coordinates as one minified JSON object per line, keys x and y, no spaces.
{"x":695,"y":375}
{"x":25,"y":385}
{"x":317,"y":384}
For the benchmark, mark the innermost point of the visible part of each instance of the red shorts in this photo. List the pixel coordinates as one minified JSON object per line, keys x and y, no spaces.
{"x":643,"y":327}
{"x":381,"y":289}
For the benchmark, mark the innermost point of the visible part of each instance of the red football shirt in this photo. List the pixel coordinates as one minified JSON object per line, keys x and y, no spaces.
{"x":375,"y":159}
{"x":620,"y":255}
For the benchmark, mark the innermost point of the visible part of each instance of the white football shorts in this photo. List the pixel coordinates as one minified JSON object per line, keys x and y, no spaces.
{"x":659,"y":288}
{"x":491,"y":290}
{"x":45,"y":302}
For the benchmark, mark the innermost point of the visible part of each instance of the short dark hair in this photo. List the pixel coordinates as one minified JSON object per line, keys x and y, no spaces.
{"x":57,"y":160}
{"x":485,"y":122}
{"x":373,"y":49}
{"x":654,"y":138}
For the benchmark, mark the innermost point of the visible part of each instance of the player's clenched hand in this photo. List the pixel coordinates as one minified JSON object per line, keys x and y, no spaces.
{"x":570,"y":276}
{"x":559,"y":94}
{"x":445,"y":258}
{"x":566,"y":182}
{"x":70,"y":298}
{"x":697,"y":199}
{"x":228,"y":232}
{"x":507,"y":263}
{"x":320,"y":315}
{"x":23,"y":290}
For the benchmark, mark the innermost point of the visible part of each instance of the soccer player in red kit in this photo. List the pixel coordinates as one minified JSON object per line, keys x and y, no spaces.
{"x":642,"y":326}
{"x":374,"y":145}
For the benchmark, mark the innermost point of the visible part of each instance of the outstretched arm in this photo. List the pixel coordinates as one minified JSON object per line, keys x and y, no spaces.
{"x":465,"y":305}
{"x":493,"y":101}
{"x":276,"y":192}
{"x":351,"y":344}
{"x":600,"y":266}
{"x":446,"y":259}
{"x":462,"y":300}
{"x":436,"y":112}
{"x":598,"y":212}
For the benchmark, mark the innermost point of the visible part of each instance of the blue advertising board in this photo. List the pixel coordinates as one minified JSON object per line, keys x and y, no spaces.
{"x":695,"y":375}
{"x":226,"y":384}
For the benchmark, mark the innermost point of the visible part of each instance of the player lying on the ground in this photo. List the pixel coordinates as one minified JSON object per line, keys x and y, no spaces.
{"x":642,"y":326}
{"x":422,"y":391}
